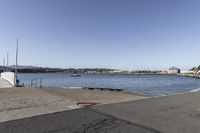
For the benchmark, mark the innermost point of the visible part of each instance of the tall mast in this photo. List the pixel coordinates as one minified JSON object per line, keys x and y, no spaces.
{"x":16,"y":65}
{"x":7,"y":61}
{"x":3,"y":64}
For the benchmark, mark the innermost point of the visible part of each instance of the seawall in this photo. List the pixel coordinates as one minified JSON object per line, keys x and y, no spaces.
{"x":9,"y":77}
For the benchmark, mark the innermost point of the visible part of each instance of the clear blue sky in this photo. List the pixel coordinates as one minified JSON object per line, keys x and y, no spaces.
{"x":123,"y":34}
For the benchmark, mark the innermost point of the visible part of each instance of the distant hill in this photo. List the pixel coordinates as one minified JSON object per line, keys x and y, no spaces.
{"x":23,"y":67}
{"x":34,"y":69}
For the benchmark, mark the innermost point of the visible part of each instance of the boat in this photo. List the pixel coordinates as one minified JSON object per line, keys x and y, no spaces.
{"x":75,"y":75}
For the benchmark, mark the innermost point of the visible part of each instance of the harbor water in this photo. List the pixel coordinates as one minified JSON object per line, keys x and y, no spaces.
{"x":143,"y":84}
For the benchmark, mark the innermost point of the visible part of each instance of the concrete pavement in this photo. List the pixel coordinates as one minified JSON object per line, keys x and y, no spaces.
{"x":18,"y":103}
{"x":73,"y":121}
{"x":171,"y":114}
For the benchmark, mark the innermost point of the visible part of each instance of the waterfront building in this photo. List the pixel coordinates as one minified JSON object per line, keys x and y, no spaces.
{"x":92,"y":72}
{"x":173,"y":70}
{"x":187,"y":72}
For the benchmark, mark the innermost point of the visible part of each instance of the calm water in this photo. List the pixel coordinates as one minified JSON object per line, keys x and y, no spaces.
{"x":143,"y":84}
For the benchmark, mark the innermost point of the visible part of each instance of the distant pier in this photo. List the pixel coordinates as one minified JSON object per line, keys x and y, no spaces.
{"x":191,"y":75}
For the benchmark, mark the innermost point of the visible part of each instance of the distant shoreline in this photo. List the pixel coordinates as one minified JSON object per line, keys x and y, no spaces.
{"x":184,"y":75}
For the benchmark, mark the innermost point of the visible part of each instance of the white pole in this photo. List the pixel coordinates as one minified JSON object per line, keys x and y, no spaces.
{"x":3,"y":64}
{"x":16,"y":63}
{"x":7,"y":61}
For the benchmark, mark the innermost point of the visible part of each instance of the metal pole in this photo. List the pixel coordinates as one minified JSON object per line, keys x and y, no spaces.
{"x":3,"y":64}
{"x":16,"y":63}
{"x":41,"y":82}
{"x":7,"y":61}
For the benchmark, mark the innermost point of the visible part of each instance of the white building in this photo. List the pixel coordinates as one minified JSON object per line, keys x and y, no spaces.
{"x":173,"y":70}
{"x":187,"y":72}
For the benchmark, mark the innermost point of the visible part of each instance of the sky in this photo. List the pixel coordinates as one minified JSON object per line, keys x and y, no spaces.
{"x":120,"y":34}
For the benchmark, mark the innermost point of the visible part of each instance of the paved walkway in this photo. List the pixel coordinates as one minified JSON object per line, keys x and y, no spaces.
{"x":4,"y":84}
{"x":172,"y":114}
{"x":73,"y":121}
{"x":18,"y":103}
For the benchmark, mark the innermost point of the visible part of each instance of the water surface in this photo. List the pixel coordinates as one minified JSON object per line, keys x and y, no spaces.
{"x":143,"y":84}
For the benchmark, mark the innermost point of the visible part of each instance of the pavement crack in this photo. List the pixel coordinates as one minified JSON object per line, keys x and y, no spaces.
{"x":101,"y":125}
{"x":150,"y":129}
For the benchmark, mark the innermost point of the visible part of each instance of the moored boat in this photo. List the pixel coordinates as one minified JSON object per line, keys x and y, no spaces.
{"x":75,"y":75}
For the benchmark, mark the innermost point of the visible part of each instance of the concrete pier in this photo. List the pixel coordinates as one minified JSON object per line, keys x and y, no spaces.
{"x":18,"y":103}
{"x":193,"y":76}
{"x":9,"y":77}
{"x":170,"y":114}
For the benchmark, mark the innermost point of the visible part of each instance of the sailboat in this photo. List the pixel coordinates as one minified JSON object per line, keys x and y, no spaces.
{"x":75,"y":75}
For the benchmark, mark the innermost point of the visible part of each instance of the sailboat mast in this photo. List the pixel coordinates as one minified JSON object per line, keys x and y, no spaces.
{"x":16,"y":65}
{"x":7,"y":61}
{"x":3,"y":64}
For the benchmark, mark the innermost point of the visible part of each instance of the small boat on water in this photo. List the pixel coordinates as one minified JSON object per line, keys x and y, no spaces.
{"x":75,"y":75}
